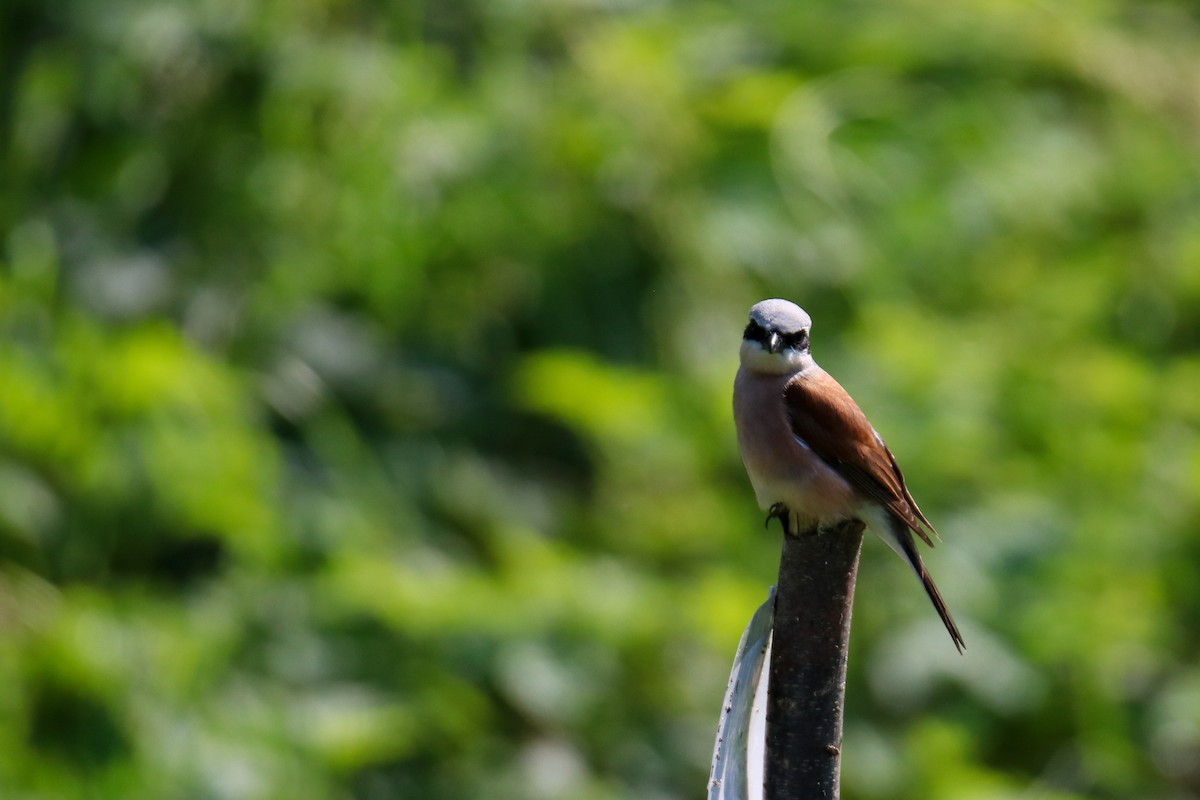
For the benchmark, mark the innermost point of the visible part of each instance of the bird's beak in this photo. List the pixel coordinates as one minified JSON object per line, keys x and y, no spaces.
{"x":774,"y":343}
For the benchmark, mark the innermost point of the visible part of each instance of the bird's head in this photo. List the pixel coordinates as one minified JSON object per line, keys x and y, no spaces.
{"x":776,"y":340}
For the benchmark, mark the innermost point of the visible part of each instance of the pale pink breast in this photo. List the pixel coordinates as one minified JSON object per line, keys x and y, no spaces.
{"x":781,"y":468}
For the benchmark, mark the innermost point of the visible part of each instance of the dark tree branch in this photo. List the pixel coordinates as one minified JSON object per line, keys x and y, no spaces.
{"x":807,"y":687}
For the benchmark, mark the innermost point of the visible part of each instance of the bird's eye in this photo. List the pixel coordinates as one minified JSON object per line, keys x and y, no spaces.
{"x":798,"y":340}
{"x":754,"y":331}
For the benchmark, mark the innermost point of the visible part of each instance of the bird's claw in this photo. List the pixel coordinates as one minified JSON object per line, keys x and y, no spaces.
{"x":780,"y":512}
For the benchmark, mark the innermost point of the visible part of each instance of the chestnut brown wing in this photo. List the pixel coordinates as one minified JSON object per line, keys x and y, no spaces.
{"x":824,"y":416}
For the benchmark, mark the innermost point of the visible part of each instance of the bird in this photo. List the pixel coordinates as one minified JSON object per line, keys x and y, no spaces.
{"x":813,"y":458}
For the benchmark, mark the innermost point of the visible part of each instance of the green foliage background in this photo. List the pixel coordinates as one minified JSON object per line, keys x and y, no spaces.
{"x":365,"y":373}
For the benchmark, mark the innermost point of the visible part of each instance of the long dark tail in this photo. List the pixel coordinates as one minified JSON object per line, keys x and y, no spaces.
{"x":908,"y":549}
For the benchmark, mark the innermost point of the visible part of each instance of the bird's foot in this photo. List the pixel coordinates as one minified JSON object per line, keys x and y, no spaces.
{"x":780,"y":512}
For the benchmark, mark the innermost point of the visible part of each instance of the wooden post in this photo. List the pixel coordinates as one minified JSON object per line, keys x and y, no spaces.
{"x":810,"y":640}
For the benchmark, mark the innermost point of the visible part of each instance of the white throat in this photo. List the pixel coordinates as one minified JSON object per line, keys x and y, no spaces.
{"x":756,"y":358}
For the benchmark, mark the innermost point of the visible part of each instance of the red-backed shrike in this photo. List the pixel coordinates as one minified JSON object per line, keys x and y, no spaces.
{"x":812,"y":456}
